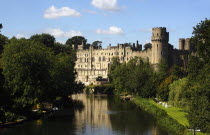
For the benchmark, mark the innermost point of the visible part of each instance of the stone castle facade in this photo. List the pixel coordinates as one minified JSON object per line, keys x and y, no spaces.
{"x":94,"y":62}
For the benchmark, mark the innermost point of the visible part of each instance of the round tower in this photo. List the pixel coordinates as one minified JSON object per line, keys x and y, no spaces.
{"x":160,"y":38}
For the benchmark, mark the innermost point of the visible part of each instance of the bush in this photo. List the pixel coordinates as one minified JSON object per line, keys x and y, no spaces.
{"x":10,"y":117}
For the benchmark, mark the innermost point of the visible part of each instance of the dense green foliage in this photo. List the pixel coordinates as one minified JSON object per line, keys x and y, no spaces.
{"x":135,"y":77}
{"x":26,"y":67}
{"x":177,"y":93}
{"x":33,"y":71}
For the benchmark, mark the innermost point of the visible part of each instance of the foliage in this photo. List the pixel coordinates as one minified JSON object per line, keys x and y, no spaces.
{"x":177,"y":93}
{"x":96,"y":44}
{"x":135,"y":77}
{"x":3,"y":41}
{"x":26,"y":67}
{"x":201,"y":40}
{"x":198,"y":87}
{"x":63,"y":75}
{"x":1,"y":27}
{"x":46,"y":39}
{"x":76,"y":40}
{"x":147,"y":46}
{"x":163,"y":89}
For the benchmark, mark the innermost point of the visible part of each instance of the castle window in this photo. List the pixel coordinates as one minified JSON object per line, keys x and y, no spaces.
{"x":99,"y":59}
{"x":112,"y":53}
{"x":122,"y":53}
{"x":87,"y":59}
{"x":157,"y":45}
{"x":93,"y":59}
{"x":157,"y":34}
{"x":104,"y":59}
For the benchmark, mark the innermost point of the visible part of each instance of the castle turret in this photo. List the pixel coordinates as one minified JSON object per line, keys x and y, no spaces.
{"x":160,"y":38}
{"x":184,"y":44}
{"x":181,"y":43}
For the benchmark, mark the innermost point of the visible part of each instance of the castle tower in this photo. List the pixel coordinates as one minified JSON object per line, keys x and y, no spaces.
{"x":181,"y":44}
{"x":184,"y":44}
{"x":160,"y":38}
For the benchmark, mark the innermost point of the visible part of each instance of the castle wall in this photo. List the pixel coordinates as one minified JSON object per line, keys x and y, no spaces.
{"x":92,"y":63}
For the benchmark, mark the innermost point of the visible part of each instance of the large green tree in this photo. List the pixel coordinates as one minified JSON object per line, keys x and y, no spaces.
{"x":198,"y":89}
{"x":26,"y":67}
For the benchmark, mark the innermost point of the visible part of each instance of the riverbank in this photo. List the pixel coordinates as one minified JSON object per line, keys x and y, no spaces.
{"x":174,"y":119}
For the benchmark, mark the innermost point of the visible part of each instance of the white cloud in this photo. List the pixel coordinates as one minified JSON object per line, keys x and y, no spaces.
{"x":18,"y":36}
{"x":113,"y":30}
{"x":59,"y":33}
{"x":110,"y":5}
{"x":53,"y":12}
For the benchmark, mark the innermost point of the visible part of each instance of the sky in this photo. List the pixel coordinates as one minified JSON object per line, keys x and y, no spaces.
{"x":110,"y":21}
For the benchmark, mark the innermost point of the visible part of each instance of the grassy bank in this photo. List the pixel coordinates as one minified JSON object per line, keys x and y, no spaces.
{"x":174,"y":119}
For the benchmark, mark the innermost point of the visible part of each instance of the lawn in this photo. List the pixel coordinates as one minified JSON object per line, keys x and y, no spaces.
{"x":176,"y":113}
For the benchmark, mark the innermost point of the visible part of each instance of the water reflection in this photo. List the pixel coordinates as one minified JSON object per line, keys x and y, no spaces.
{"x":92,"y":115}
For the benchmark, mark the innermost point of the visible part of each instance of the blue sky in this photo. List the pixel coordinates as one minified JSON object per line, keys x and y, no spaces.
{"x":111,"y":21}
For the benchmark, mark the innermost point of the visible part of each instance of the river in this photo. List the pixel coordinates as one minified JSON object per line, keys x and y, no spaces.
{"x":96,"y":115}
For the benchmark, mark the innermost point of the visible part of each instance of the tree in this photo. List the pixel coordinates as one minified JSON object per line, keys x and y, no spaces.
{"x":76,"y":40}
{"x":1,"y":27}
{"x":46,"y":39}
{"x":198,"y":89}
{"x":201,"y":40}
{"x":147,"y":46}
{"x":3,"y":40}
{"x":96,"y":44}
{"x":64,"y":75}
{"x":26,"y":67}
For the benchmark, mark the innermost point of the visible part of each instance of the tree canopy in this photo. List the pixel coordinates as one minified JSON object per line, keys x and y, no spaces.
{"x":76,"y":40}
{"x":46,"y":39}
{"x":26,"y":67}
{"x":96,"y":44}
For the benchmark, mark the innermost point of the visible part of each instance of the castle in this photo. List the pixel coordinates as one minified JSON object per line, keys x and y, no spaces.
{"x":94,"y":62}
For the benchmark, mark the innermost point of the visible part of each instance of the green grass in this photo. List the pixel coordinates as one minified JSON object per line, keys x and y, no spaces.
{"x":174,"y":118}
{"x":176,"y":113}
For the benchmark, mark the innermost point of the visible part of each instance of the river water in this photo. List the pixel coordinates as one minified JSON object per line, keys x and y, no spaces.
{"x":95,"y":115}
